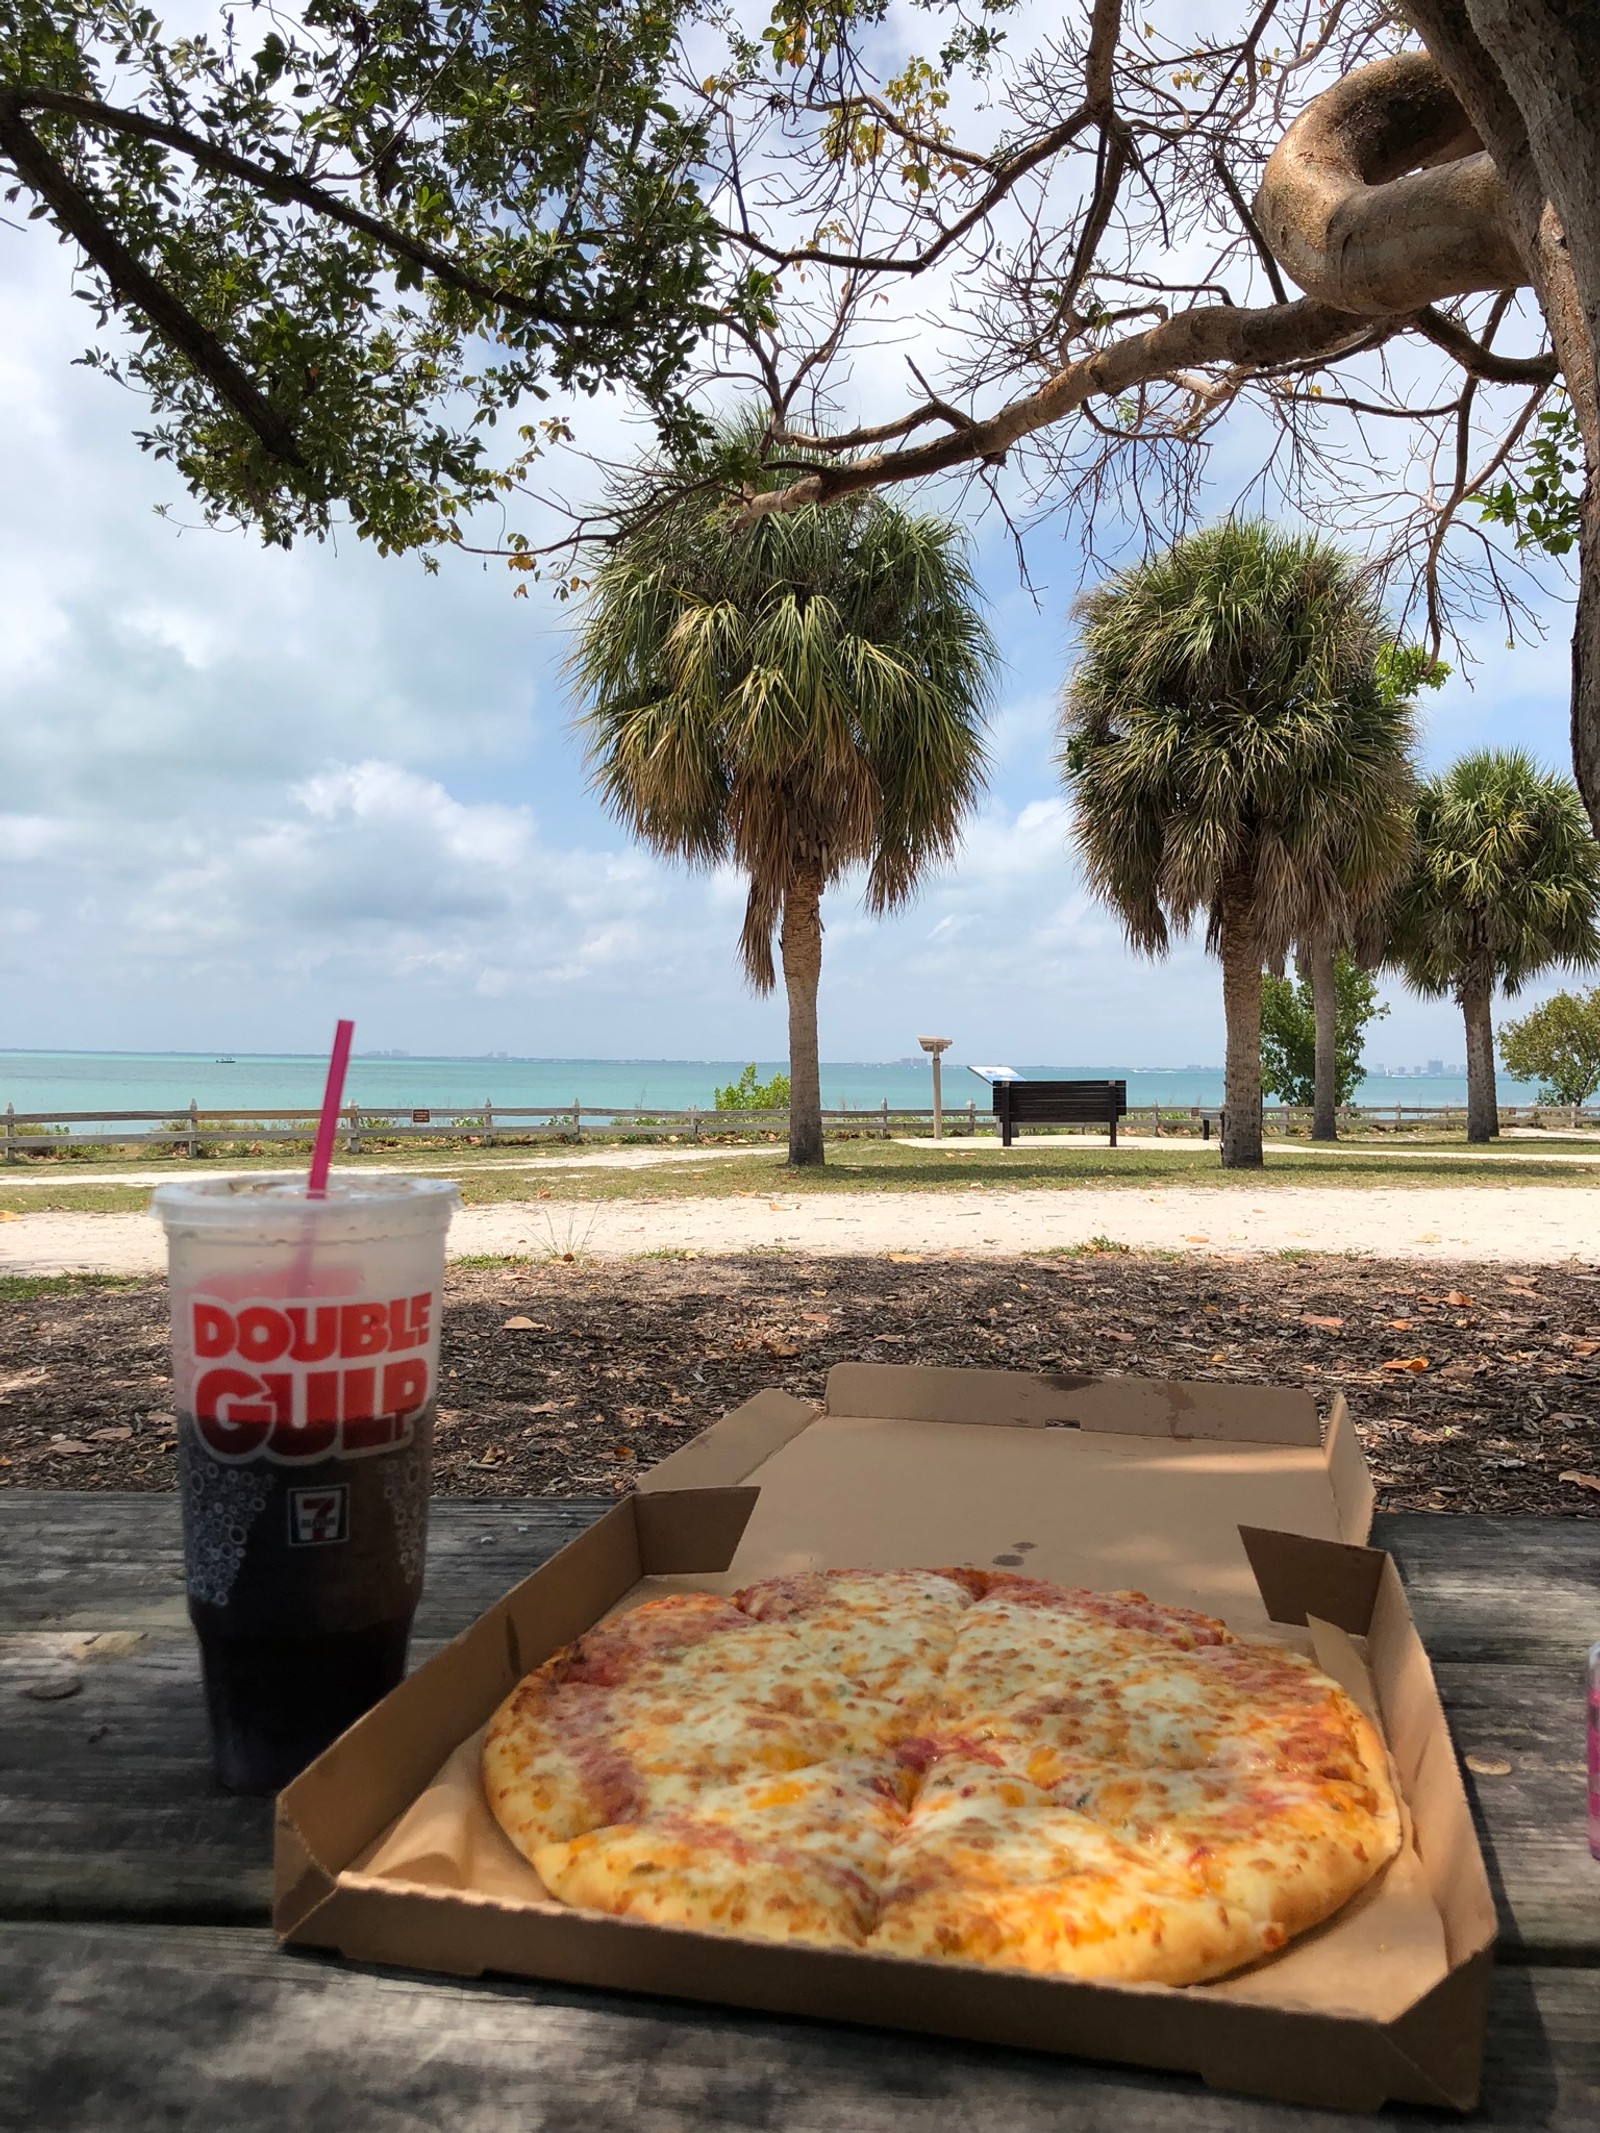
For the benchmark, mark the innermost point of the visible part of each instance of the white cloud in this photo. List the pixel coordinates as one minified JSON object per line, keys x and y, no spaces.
{"x":245,"y":791}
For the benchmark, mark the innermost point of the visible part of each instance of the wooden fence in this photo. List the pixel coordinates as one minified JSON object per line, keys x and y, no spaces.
{"x":35,"y":1133}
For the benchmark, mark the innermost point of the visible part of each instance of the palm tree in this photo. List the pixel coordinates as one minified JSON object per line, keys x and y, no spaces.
{"x":1506,"y":884}
{"x":801,"y":699}
{"x":1230,"y":752}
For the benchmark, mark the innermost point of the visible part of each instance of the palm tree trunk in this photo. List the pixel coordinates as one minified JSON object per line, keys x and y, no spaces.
{"x":1241,"y":1007}
{"x":1324,"y":1000}
{"x":1483,"y":1114}
{"x":800,"y":944}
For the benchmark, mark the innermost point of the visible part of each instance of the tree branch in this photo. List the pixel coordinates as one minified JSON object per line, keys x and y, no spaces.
{"x":1252,"y":228}
{"x":130,"y":279}
{"x":1008,"y":175}
{"x":283,"y":183}
{"x":1479,"y":361}
{"x":1212,"y":333}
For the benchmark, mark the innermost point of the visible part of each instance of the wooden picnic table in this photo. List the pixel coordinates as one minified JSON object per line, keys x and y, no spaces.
{"x":142,"y":1988}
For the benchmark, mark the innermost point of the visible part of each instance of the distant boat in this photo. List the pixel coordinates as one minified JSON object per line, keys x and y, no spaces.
{"x":227,"y":1062}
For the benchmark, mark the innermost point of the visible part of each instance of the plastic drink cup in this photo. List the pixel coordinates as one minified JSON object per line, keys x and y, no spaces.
{"x":305,"y":1355}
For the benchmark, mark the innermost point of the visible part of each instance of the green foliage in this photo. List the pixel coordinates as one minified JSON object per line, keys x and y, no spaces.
{"x":1506,"y":881}
{"x":1289,"y":1033}
{"x":748,"y":1094}
{"x":809,"y":696}
{"x":1541,"y":497}
{"x":1226,"y":724}
{"x":372,"y":233}
{"x":1557,"y":1044}
{"x":1402,"y":669}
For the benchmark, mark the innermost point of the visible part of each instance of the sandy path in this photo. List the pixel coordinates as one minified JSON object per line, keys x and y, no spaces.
{"x":1525,"y":1222}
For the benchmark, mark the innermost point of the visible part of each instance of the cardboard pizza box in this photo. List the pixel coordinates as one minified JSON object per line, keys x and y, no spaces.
{"x":1233,"y":1499}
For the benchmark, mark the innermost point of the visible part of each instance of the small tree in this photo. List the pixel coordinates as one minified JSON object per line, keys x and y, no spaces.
{"x":748,"y":1094}
{"x":1558,"y":1045}
{"x":1506,"y":884}
{"x":1289,"y":1032}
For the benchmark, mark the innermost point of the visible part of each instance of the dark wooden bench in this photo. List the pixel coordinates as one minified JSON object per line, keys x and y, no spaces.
{"x":1058,"y":1103}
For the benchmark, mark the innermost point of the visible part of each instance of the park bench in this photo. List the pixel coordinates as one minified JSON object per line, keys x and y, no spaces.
{"x":1059,"y":1103}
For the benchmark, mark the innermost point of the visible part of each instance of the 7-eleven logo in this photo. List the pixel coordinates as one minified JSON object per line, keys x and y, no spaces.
{"x":318,"y":1515}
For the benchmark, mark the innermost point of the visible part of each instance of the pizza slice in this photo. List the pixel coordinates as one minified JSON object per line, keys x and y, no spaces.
{"x":1026,"y":1639}
{"x":1205,"y":1708}
{"x":888,"y":1632}
{"x":1288,"y":1851}
{"x":561,"y":1757}
{"x":790,"y":1858}
{"x":994,"y":1870}
{"x":650,"y":1635}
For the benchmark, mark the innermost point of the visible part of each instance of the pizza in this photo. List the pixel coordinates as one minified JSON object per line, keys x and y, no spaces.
{"x":954,"y":1765}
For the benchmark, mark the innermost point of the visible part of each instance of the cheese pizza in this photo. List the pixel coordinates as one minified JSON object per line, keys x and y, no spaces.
{"x":955,"y":1765}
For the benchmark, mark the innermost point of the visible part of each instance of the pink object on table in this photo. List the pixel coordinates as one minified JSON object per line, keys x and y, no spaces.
{"x":328,"y":1123}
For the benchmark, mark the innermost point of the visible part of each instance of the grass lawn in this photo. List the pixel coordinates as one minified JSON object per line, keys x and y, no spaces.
{"x":489,"y":1176}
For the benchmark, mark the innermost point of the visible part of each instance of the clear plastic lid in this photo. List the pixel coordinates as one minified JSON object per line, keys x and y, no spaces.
{"x":356,"y":1205}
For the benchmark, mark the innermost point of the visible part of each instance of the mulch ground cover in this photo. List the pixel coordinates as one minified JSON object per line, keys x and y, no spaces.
{"x":1474,"y":1388}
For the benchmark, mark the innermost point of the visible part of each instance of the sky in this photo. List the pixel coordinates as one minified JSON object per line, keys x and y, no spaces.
{"x":244,"y":792}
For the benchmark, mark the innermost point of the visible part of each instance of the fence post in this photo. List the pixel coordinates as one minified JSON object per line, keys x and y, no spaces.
{"x":577,"y":1120}
{"x":694,"y":1122}
{"x":353,"y":1145}
{"x":194,"y":1128}
{"x":488,"y":1123}
{"x":11,"y":1133}
{"x":972,"y":1118}
{"x":885,"y":1128}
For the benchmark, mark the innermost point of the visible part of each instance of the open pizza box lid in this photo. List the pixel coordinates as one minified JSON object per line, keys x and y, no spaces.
{"x":1233,"y":1499}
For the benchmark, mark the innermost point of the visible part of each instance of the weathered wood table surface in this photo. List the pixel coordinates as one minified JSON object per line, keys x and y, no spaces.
{"x":140,"y":1987}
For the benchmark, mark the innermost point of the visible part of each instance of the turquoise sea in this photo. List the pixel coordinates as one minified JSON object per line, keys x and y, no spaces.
{"x":167,"y":1081}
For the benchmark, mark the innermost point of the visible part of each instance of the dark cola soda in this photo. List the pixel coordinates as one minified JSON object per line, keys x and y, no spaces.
{"x":305,"y":1352}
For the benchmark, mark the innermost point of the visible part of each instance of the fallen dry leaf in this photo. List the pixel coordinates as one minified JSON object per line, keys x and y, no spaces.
{"x":522,"y":1325}
{"x":1408,"y":1362}
{"x":905,"y":1258}
{"x":1111,"y":1334}
{"x":1457,"y":1300}
{"x":1398,"y":1325}
{"x":1586,"y":1347}
{"x":1328,"y":1325}
{"x":1488,"y":1766}
{"x":1583,"y":1481}
{"x":777,"y":1347}
{"x":1197,"y":1240}
{"x":67,"y":1444}
{"x":119,"y":1434}
{"x":815,"y":1318}
{"x":9,"y":1214}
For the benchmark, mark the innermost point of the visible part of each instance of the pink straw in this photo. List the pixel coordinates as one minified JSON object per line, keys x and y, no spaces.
{"x":328,"y":1123}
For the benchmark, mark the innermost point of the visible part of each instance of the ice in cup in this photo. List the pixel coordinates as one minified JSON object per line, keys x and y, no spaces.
{"x":305,"y":1354}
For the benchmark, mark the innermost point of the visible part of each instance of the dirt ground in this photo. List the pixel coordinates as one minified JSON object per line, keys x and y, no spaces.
{"x":1476,"y":1392}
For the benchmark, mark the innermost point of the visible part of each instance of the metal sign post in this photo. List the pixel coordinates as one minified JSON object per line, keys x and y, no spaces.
{"x":933,"y":1046}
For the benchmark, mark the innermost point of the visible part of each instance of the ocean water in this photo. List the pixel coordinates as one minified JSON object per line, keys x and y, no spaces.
{"x":144,"y":1081}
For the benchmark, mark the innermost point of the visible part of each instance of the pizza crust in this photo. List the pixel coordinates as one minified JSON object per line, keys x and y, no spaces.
{"x":951,"y":1765}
